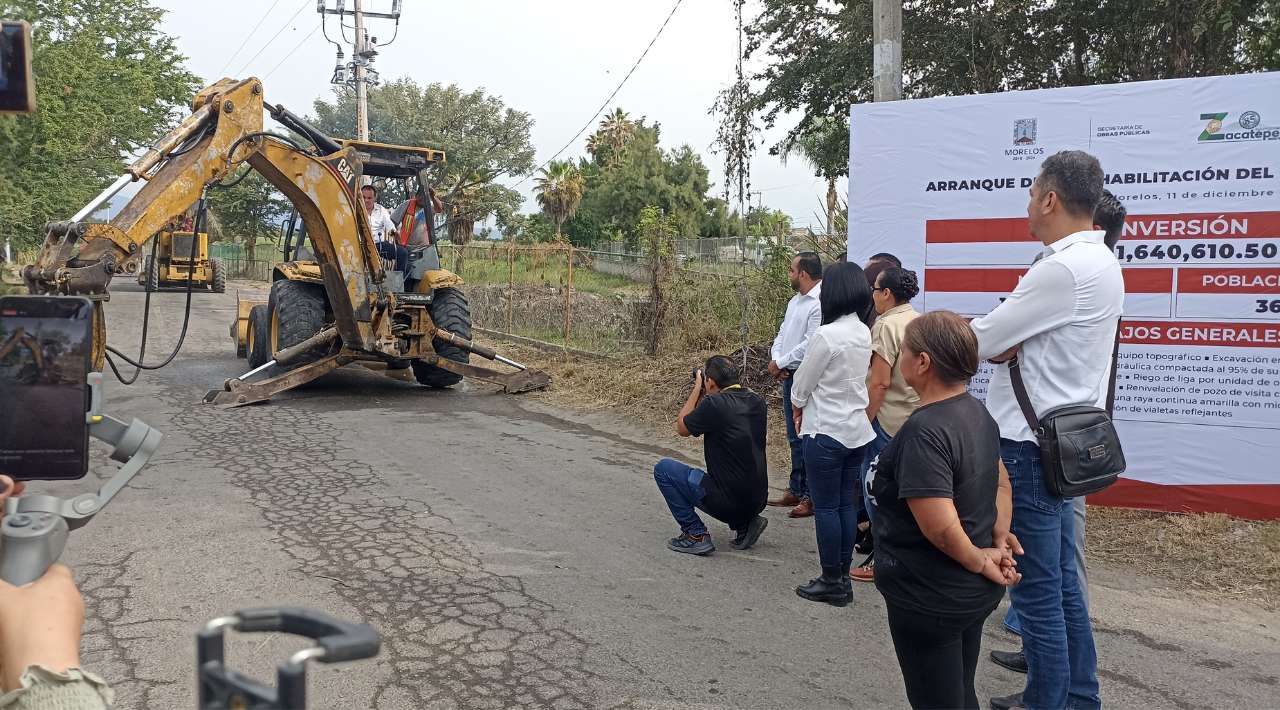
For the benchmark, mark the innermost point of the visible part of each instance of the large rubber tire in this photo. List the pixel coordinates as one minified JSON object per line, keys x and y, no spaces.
{"x":449,"y":310}
{"x":219,"y":269}
{"x":296,"y":312}
{"x":259,"y":336}
{"x":151,"y":272}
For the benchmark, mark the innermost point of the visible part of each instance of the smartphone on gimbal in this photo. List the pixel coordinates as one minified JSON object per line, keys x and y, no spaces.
{"x":17,"y":89}
{"x":46,"y":344}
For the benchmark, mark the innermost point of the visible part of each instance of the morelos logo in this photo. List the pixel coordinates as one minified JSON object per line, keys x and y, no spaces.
{"x":1024,"y":131}
{"x":1248,"y":127}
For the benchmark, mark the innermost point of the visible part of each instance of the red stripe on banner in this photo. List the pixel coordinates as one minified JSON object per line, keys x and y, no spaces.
{"x":960,"y":231}
{"x":1249,"y":335}
{"x":1209,"y":225}
{"x":1005,"y":280}
{"x":1254,"y":501}
{"x":1229,"y":281}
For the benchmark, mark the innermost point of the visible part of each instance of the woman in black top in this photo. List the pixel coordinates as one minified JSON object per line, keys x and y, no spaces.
{"x":942,"y":505}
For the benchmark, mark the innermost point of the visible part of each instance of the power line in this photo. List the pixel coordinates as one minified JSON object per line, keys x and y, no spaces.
{"x":273,"y":37}
{"x":290,"y":54}
{"x":248,"y":37}
{"x":605,"y":105}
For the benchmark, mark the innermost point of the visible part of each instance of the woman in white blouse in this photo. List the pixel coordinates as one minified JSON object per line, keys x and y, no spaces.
{"x":829,"y":397}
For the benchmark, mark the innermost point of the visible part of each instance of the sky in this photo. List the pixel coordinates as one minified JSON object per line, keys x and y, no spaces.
{"x":557,"y":60}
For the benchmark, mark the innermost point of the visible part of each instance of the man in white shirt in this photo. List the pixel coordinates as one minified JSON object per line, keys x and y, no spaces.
{"x":1109,"y":217}
{"x":802,"y":318}
{"x":383,"y":228}
{"x":1063,"y":318}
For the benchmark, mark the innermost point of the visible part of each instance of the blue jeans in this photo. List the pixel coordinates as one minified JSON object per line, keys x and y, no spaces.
{"x":1062,"y":663}
{"x":799,"y":487}
{"x":833,"y":484}
{"x":681,"y":485}
{"x":869,"y":454}
{"x":1078,"y":508}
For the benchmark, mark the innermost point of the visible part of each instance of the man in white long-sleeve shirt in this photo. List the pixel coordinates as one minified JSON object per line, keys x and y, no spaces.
{"x":802,"y":318}
{"x":1063,"y":318}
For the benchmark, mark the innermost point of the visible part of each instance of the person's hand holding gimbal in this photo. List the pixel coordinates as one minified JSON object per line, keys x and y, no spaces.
{"x":39,"y":622}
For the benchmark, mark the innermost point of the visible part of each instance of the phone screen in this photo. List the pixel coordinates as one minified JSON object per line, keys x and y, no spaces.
{"x":45,"y":345}
{"x":17,"y":94}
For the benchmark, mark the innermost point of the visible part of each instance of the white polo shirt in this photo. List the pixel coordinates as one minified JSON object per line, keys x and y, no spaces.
{"x":1064,"y":313}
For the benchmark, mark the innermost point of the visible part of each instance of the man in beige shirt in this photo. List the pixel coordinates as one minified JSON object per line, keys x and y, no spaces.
{"x":891,"y":400}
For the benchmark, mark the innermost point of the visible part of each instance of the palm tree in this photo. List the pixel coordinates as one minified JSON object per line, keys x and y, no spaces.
{"x":825,"y":147}
{"x":559,"y":189}
{"x":616,"y":130}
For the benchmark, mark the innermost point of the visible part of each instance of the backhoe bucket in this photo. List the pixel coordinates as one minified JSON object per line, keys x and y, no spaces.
{"x":525,"y":380}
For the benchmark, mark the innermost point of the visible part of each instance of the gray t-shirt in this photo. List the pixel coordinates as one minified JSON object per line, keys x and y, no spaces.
{"x":420,"y":236}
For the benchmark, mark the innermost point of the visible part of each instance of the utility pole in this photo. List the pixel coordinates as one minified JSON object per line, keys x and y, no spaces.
{"x":362,"y":88}
{"x":359,"y":72}
{"x":887,"y":51}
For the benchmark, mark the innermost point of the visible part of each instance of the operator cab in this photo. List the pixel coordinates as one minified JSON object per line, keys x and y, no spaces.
{"x":404,"y":174}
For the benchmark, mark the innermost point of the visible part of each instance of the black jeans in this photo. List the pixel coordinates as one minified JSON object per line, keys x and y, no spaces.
{"x":938,"y":656}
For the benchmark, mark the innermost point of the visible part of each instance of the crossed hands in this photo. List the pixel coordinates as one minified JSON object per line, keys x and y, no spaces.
{"x":778,"y":373}
{"x":998,"y":564}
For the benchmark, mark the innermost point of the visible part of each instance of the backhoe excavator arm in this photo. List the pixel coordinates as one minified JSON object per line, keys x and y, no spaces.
{"x":225,"y":130}
{"x":20,"y":337}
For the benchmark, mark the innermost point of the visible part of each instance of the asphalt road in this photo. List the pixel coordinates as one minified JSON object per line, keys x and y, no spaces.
{"x":512,"y":555}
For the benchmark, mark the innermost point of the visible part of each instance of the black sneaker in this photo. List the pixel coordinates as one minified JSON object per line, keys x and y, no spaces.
{"x":750,"y":534}
{"x":692,"y":545}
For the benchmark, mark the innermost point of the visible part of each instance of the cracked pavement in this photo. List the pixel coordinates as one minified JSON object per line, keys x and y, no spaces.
{"x":511,"y":554}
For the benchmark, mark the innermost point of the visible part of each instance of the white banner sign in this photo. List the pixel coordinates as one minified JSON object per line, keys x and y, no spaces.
{"x":942,"y":183}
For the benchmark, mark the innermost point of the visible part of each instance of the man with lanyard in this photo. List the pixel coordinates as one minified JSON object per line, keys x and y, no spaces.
{"x":802,"y":318}
{"x":731,"y":419}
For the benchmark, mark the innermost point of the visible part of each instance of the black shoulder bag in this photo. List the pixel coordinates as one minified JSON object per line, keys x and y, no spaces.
{"x":1079,"y":449}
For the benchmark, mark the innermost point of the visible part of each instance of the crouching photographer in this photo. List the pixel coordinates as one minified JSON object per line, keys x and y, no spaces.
{"x":735,"y":485}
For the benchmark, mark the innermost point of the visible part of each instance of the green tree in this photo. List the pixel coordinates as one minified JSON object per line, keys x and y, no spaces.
{"x":248,"y":211}
{"x":817,"y":55}
{"x":675,"y":182}
{"x":765,"y":222}
{"x":559,"y":189}
{"x":108,"y":82}
{"x":825,"y":146}
{"x":482,"y":139}
{"x":611,"y":138}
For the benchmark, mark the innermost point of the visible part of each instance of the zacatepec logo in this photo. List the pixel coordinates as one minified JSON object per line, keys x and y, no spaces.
{"x":1248,"y":127}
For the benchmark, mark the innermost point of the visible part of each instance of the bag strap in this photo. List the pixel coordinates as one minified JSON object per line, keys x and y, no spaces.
{"x":1024,"y":400}
{"x":1020,"y":393}
{"x":1115,"y":365}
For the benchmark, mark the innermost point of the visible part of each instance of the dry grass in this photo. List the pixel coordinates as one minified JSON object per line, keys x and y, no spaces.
{"x":1216,"y":556}
{"x":641,"y":390}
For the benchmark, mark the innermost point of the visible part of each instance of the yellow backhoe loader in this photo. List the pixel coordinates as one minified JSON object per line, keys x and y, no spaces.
{"x":182,"y":255}
{"x":331,"y":304}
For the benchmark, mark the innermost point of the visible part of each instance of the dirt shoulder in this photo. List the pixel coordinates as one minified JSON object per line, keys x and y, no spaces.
{"x":1180,"y":555}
